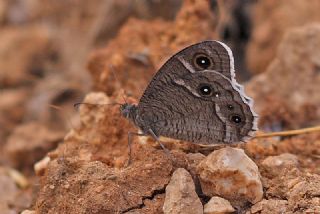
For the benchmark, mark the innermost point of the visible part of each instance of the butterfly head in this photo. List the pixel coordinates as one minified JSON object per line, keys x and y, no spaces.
{"x":128,"y":111}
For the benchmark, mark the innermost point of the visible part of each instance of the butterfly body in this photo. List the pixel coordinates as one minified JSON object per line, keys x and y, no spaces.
{"x":195,"y":97}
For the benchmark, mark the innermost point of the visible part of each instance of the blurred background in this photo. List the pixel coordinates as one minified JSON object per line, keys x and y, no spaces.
{"x":52,"y":53}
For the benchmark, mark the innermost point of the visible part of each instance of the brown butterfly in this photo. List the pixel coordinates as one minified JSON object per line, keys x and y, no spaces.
{"x":195,"y":97}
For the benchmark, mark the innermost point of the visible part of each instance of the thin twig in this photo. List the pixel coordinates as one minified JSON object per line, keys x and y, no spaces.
{"x":289,"y":133}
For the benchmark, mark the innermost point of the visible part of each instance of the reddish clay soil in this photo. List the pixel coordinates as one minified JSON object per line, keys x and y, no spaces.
{"x":69,"y":161}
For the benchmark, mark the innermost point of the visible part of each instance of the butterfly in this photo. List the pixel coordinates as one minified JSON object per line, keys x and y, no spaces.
{"x":195,"y":97}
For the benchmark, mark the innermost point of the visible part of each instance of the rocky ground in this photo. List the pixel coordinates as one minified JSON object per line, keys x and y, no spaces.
{"x":55,"y":159}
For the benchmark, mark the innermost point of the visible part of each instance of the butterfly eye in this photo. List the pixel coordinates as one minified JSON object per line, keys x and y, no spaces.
{"x":235,"y":119}
{"x":205,"y":90}
{"x":202,"y":61}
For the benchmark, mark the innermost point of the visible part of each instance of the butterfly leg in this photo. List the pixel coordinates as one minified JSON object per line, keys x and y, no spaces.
{"x":130,"y":134}
{"x":156,"y":138}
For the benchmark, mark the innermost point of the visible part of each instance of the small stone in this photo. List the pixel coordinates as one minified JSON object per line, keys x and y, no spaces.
{"x":231,"y":174}
{"x":67,"y":186}
{"x":41,"y":166}
{"x":112,"y":177}
{"x":270,"y":206}
{"x":148,"y":166}
{"x":28,"y":212}
{"x":181,"y":197}
{"x":276,"y":163}
{"x":18,"y":177}
{"x":99,"y":189}
{"x":194,"y":159}
{"x":218,"y":205}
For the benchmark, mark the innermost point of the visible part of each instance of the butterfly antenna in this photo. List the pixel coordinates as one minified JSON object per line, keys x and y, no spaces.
{"x":112,"y":69}
{"x":76,"y":105}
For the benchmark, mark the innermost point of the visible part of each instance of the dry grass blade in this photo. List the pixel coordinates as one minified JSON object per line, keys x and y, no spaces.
{"x":289,"y":133}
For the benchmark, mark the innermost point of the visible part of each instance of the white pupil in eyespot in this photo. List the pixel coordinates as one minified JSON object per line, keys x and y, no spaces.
{"x":203,"y":61}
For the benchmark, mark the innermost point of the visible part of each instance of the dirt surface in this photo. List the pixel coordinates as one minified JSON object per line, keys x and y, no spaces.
{"x":273,"y":19}
{"x":103,"y":52}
